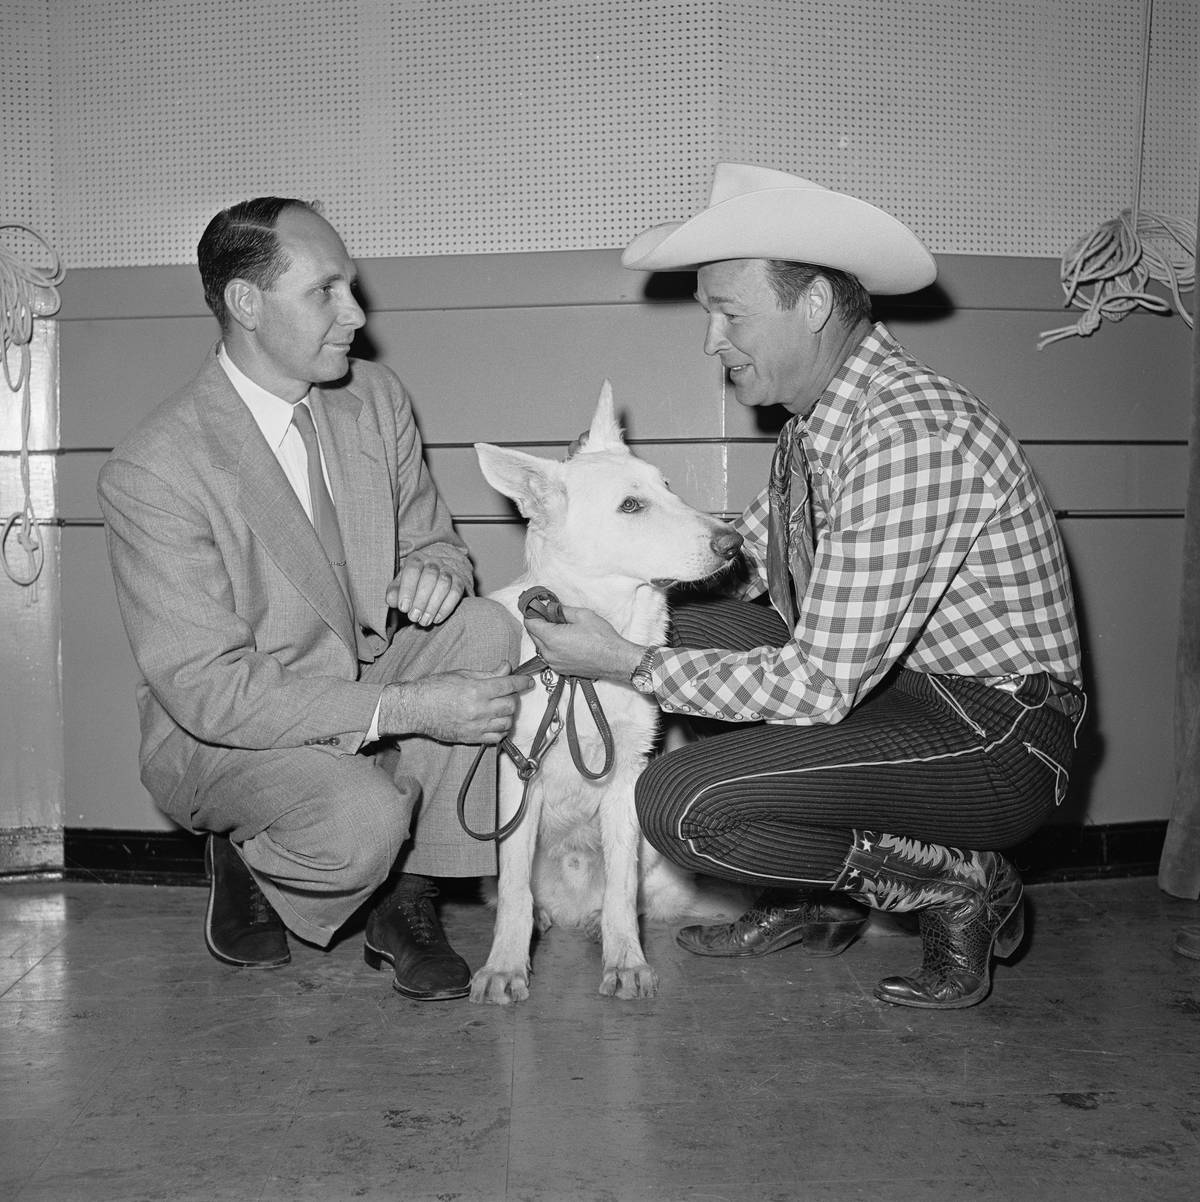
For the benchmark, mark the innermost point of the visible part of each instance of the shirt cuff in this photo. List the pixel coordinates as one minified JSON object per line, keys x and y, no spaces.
{"x":373,"y":730}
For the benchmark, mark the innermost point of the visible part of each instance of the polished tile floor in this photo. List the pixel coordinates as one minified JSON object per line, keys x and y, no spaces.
{"x":133,"y":1066}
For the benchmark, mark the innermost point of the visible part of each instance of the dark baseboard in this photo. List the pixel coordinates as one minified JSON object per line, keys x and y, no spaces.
{"x":1083,"y":853}
{"x":1055,"y":853}
{"x":133,"y":857}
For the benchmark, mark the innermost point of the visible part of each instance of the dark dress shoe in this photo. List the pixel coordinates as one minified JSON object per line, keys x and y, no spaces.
{"x":1187,"y":942}
{"x":240,"y":928}
{"x":404,"y":930}
{"x":822,"y":922}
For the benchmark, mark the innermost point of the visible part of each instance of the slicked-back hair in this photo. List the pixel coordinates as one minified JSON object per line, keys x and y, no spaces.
{"x":241,"y":242}
{"x":789,"y":280}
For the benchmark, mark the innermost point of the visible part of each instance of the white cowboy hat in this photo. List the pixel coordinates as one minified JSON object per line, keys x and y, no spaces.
{"x":757,"y":213}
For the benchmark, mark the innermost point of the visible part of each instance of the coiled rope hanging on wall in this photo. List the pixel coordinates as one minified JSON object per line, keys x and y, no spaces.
{"x":26,"y":292}
{"x":1116,"y":262}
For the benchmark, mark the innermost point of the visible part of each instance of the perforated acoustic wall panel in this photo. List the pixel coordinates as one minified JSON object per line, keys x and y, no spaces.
{"x":472,"y":126}
{"x":534,"y":126}
{"x":166,"y":111}
{"x":26,"y":124}
{"x":992,"y":128}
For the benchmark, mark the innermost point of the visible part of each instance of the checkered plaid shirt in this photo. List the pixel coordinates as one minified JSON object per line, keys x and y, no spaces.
{"x":936,"y":549}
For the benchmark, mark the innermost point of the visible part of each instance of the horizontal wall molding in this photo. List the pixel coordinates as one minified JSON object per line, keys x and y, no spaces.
{"x":1055,"y":853}
{"x":491,"y":519}
{"x":1104,"y":480}
{"x":542,"y":279}
{"x":731,"y":440}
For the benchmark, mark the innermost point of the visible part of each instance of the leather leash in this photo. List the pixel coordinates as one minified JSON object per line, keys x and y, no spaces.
{"x":542,"y":603}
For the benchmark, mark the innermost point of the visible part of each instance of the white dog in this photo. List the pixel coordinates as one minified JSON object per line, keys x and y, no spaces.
{"x":605,"y":532}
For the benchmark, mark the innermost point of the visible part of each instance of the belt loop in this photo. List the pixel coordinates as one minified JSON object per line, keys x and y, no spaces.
{"x":1039,"y":684}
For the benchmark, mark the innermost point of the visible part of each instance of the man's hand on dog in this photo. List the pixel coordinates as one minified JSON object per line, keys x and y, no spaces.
{"x":584,"y":645}
{"x":425,"y":590}
{"x":454,"y":707}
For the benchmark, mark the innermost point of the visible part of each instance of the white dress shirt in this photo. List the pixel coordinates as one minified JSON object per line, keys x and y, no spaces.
{"x":274,"y":418}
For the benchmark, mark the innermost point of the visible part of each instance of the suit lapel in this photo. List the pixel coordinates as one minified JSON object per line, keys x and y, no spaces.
{"x":266,"y":501}
{"x":361,"y":485}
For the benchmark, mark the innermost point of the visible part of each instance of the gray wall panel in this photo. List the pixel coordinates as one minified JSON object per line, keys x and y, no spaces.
{"x":1127,"y":579}
{"x":519,"y":374}
{"x":99,"y":709}
{"x":115,"y":371}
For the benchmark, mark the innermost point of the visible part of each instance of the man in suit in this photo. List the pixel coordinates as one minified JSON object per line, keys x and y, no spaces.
{"x":314,"y":670}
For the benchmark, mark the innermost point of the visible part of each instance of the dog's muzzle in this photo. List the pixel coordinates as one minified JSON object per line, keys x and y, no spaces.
{"x":727,"y":542}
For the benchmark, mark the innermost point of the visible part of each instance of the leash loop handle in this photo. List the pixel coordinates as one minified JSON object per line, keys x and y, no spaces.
{"x":602,"y":727}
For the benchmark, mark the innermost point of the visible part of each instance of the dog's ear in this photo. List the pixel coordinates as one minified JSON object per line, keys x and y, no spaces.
{"x":531,"y":482}
{"x":605,"y":433}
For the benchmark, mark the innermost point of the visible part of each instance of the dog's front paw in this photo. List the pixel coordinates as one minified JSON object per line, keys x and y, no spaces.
{"x":500,"y":987}
{"x":629,"y":981}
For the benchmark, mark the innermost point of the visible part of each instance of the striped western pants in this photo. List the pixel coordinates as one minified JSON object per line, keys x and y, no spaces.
{"x":943,"y":759}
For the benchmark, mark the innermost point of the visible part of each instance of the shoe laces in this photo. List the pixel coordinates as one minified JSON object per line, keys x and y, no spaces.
{"x":418,"y":914}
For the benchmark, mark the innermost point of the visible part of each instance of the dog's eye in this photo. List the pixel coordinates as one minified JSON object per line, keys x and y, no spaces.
{"x":631,"y":505}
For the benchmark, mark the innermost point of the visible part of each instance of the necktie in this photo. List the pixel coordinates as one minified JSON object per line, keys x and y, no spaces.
{"x":324,"y":516}
{"x":790,"y":523}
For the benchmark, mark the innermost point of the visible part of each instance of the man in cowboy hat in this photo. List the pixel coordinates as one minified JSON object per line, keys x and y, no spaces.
{"x":906,"y":708}
{"x":313,"y":670}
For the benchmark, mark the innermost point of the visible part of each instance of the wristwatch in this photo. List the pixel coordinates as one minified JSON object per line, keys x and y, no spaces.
{"x":640,"y":677}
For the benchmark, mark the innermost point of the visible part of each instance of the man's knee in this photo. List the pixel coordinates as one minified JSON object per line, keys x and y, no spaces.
{"x":657,"y":799}
{"x":485,"y":633}
{"x":362,"y":837}
{"x":489,"y":623}
{"x":342,"y":838}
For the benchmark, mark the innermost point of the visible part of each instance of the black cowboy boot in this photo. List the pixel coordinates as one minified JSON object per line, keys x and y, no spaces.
{"x":822,"y":923}
{"x":970,"y":909}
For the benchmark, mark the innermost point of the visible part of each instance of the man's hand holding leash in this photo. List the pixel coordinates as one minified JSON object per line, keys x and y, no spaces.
{"x":584,"y":644}
{"x":454,"y":707}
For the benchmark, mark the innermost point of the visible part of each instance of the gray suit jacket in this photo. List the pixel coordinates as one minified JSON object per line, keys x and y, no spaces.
{"x":235,"y":617}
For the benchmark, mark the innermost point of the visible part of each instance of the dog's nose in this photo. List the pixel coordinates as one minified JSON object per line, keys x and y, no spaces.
{"x":727,"y":542}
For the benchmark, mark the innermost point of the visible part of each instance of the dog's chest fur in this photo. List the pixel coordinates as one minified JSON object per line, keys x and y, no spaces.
{"x":568,"y":870}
